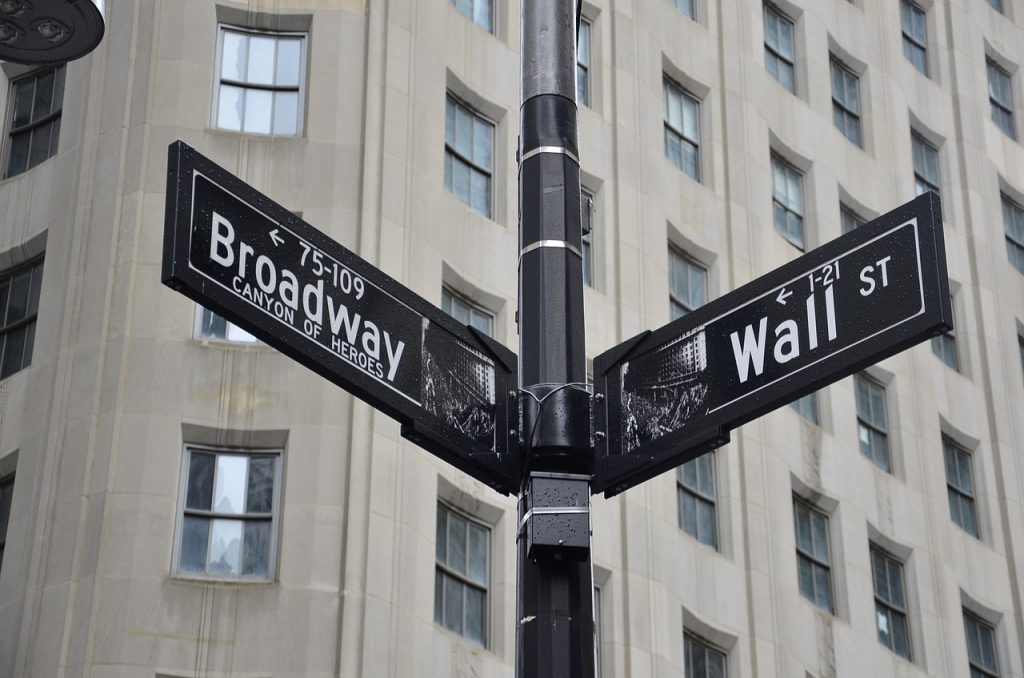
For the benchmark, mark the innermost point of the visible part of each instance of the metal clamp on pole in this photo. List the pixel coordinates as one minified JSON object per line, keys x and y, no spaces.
{"x":556,"y":522}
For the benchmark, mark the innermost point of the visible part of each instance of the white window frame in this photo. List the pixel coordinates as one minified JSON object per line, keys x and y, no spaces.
{"x":472,"y":14}
{"x":1013,"y":227}
{"x":670,"y":88}
{"x":785,"y":201}
{"x":913,"y":42}
{"x":874,"y":422}
{"x":1001,"y":103}
{"x":887,"y":603}
{"x":844,"y":105}
{"x":678,"y":306}
{"x":233,"y":334}
{"x":922,"y":177}
{"x":700,"y":497}
{"x":774,"y":51}
{"x":301,"y":89}
{"x":808,"y":408}
{"x":182,"y":510}
{"x":584,"y":63}
{"x":811,"y":557}
{"x":452,"y":154}
{"x":55,"y":117}
{"x":35,"y":269}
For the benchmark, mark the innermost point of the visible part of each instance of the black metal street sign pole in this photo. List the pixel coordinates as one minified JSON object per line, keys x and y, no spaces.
{"x":554,"y":617}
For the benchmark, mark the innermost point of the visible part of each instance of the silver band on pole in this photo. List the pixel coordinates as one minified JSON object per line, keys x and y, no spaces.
{"x":561,"y":150}
{"x":561,"y":244}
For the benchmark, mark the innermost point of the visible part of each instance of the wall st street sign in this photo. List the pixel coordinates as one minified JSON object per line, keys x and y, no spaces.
{"x":237,"y":252}
{"x":670,"y":395}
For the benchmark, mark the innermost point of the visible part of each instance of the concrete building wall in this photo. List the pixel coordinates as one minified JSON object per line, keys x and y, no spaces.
{"x":94,"y":430}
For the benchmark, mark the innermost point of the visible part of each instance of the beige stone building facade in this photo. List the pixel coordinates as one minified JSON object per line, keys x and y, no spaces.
{"x":177,"y":500}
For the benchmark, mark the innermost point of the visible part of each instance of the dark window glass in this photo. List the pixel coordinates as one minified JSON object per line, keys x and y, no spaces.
{"x":788,"y":201}
{"x":6,"y":495}
{"x":813,"y":554}
{"x":587,"y":218}
{"x":583,"y":64}
{"x":687,"y":284}
{"x":702,"y":659}
{"x":1000,"y":96}
{"x":960,"y":486}
{"x":34,"y":130}
{"x":872,"y":426}
{"x":686,"y":7}
{"x":848,"y":219}
{"x":944,"y":345}
{"x":807,"y":407}
{"x":846,"y":102}
{"x":682,"y":129}
{"x":229,"y":515}
{"x":915,"y":36}
{"x":468,"y":156}
{"x":926,"y":164}
{"x":890,"y":602}
{"x":461,"y":576}
{"x":19,"y":307}
{"x":1013,"y":225}
{"x":466,"y":312}
{"x":779,"y":52}
{"x":981,"y":647}
{"x":696,"y":487}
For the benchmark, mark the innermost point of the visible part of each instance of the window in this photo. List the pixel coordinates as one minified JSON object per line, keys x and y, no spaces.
{"x":997,"y":5}
{"x":688,"y":284}
{"x":915,"y":36}
{"x":480,"y":11}
{"x":461,"y":575}
{"x":779,"y":54}
{"x":702,"y":659}
{"x":981,"y":647}
{"x":944,"y":345}
{"x":682,"y":129}
{"x":583,"y":64}
{"x":1013,"y":224}
{"x":19,"y":306}
{"x":1000,"y":96}
{"x":872,"y":429}
{"x":807,"y":407}
{"x":695,"y":481}
{"x":6,"y":494}
{"x":466,"y":312}
{"x":788,"y":201}
{"x":846,"y":102}
{"x":814,"y":563}
{"x":260,"y":84}
{"x":926,"y":165}
{"x":36,"y":104}
{"x":848,"y":219}
{"x":209,"y":325}
{"x":686,"y":7}
{"x":890,"y":602}
{"x":960,"y":486}
{"x":587,"y":217}
{"x":229,"y":523}
{"x":468,"y":156}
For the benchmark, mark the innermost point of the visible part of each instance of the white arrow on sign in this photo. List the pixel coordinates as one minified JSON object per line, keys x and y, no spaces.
{"x":783,"y":295}
{"x":276,"y":238}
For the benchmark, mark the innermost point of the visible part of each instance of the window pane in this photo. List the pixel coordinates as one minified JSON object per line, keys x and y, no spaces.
{"x":18,"y":161}
{"x":475,"y":614}
{"x":822,"y":588}
{"x":200,"y":481}
{"x":806,"y":577}
{"x":256,"y":559}
{"x":43,"y":97}
{"x":460,"y":180}
{"x":706,"y":522}
{"x":232,"y":63}
{"x":17,"y":305}
{"x":195,"y":535}
{"x":480,"y":192}
{"x":40,"y":145}
{"x":289,"y":54}
{"x":689,"y":508}
{"x":54,"y":137}
{"x":438,"y":597}
{"x":819,"y":525}
{"x":14,"y":349}
{"x":482,"y":14}
{"x":23,"y":96}
{"x":260,"y":492}
{"x":260,"y":67}
{"x":456,"y":544}
{"x":229,"y":110}
{"x":453,"y":605}
{"x":225,"y":547}
{"x":229,"y":484}
{"x":6,"y":495}
{"x":477,"y":554}
{"x":286,"y":113}
{"x":257,"y":111}
{"x":463,"y":132}
{"x":441,"y":536}
{"x":482,"y":143}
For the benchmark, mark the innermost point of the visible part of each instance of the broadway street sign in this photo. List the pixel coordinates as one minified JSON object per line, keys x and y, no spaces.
{"x":667,"y":396}
{"x":237,"y":252}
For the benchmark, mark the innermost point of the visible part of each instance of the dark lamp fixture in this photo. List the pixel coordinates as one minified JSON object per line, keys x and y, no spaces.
{"x":49,"y":31}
